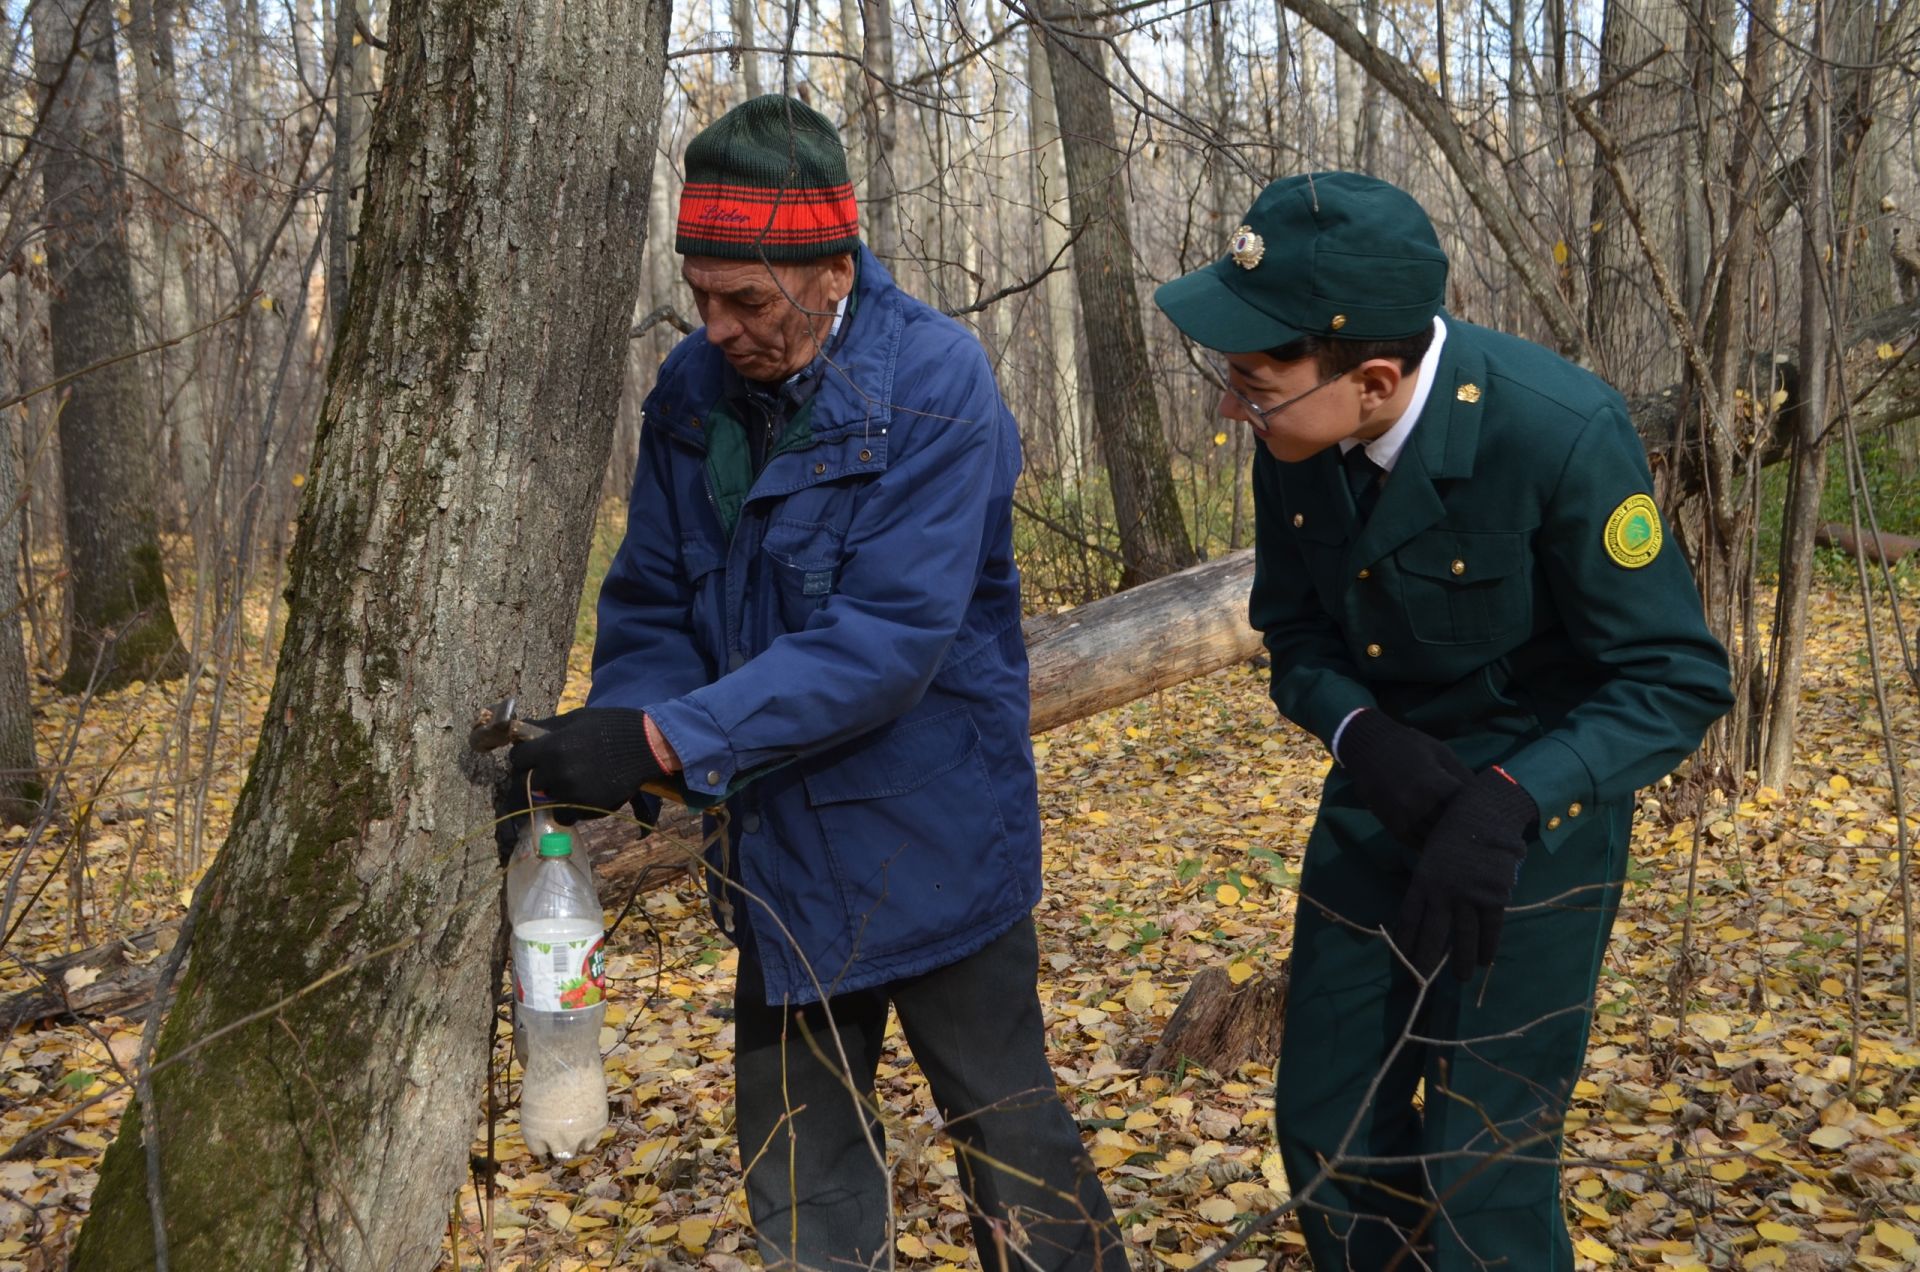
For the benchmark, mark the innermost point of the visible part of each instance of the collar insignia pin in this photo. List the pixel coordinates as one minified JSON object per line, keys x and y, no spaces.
{"x":1468,"y":392}
{"x":1246,"y":247}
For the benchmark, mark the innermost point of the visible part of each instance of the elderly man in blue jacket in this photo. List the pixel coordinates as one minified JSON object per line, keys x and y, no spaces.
{"x":815,"y":617}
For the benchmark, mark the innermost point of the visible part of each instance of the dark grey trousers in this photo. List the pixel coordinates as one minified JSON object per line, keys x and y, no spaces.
{"x":811,"y":1146}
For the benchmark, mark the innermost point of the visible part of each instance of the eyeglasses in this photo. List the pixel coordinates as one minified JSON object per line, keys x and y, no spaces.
{"x":1262,"y":413}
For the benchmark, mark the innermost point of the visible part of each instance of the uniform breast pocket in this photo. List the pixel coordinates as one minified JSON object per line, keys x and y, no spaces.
{"x":804,"y":559}
{"x":1462,"y":587}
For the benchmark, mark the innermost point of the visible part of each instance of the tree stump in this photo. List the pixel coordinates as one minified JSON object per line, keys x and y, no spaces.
{"x":1221,"y":1026}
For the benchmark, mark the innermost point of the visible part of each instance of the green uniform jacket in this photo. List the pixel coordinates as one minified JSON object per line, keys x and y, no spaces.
{"x":1507,"y":594}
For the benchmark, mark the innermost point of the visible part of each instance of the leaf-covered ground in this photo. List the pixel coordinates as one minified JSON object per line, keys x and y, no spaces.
{"x":1758,"y":1110}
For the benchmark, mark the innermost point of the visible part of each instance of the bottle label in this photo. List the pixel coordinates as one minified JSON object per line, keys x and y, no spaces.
{"x":559,"y":964}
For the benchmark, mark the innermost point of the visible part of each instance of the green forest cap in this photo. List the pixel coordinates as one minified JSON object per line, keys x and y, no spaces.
{"x":1321,"y":254}
{"x":768,"y":181}
{"x":556,"y":843}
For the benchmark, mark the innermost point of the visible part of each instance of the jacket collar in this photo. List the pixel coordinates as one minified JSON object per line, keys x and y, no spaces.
{"x":1442,"y":448}
{"x":856,"y":375}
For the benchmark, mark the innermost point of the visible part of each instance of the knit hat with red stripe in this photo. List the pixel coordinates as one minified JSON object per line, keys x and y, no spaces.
{"x":768,"y":181}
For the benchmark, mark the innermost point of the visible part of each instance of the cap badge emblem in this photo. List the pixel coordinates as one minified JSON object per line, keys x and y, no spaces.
{"x":1468,"y":392}
{"x":1246,"y":247}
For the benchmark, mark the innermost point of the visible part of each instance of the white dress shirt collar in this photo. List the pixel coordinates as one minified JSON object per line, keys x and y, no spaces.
{"x":1385,"y":449}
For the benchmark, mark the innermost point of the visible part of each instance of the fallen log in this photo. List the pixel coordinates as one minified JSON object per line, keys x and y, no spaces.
{"x":1083,"y":661}
{"x":108,"y":979}
{"x":1886,"y":549}
{"x":1125,"y":646}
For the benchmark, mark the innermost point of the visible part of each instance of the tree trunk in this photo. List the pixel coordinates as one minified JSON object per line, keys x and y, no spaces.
{"x":1639,"y":64}
{"x":1823,"y":254}
{"x":122,"y":629}
{"x":1072,"y":440}
{"x":20,"y":787}
{"x":346,"y":108}
{"x":165,"y":169}
{"x":743,"y":36}
{"x":1347,"y":79}
{"x":297,"y":1123}
{"x":1722,"y":554}
{"x":881,"y":212}
{"x":1153,"y":534}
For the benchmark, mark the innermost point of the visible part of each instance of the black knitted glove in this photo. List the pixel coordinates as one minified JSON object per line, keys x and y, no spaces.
{"x":1403,"y":776}
{"x":587,"y":763}
{"x":1465,"y":876}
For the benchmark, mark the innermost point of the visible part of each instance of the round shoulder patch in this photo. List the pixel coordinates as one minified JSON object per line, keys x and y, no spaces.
{"x":1633,"y":535}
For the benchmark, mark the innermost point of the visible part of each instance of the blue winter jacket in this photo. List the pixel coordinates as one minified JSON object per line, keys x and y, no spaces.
{"x":834,"y":646}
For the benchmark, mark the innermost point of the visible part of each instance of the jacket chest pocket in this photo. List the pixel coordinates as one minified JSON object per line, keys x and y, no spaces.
{"x":1462,"y":586}
{"x":803,"y":560}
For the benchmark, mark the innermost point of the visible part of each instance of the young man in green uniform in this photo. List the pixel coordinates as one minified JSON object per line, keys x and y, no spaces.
{"x":1468,"y":596}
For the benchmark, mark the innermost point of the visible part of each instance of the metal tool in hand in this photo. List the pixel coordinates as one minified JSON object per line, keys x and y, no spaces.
{"x":498,"y":725}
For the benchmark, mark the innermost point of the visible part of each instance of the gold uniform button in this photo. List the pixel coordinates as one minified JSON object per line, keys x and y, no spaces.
{"x":1459,"y":566}
{"x":713,"y":778}
{"x":818,"y":469}
{"x":1573,"y":810}
{"x":696,"y":421}
{"x":1366,"y":574}
{"x":1553,"y":823}
{"x":865,"y":455}
{"x":1339,"y":321}
{"x":1373,"y":651}
{"x":1298,"y":521}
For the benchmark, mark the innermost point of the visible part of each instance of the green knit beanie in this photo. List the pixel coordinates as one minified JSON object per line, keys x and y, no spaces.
{"x":768,"y":181}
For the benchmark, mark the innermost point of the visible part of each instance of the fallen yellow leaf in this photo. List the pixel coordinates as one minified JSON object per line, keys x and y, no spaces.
{"x":1216,"y":1210}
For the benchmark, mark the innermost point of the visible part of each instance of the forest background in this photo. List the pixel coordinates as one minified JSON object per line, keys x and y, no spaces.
{"x":237,"y":234}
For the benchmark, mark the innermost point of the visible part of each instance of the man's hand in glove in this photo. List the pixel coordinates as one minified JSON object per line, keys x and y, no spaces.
{"x":1403,"y":776}
{"x":1466,"y":875}
{"x":587,"y":763}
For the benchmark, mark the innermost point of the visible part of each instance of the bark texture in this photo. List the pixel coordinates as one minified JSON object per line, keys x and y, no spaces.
{"x":166,"y":174}
{"x":20,"y":785}
{"x":1640,"y":64}
{"x":1153,"y":534}
{"x":122,"y":628}
{"x":879,"y":209}
{"x":1221,"y":1026}
{"x":305,"y":1123}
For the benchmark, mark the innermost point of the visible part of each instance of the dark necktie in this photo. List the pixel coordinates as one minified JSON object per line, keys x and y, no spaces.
{"x":1364,"y":478}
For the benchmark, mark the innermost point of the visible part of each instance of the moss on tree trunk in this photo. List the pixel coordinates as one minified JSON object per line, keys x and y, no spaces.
{"x":311,"y":1122}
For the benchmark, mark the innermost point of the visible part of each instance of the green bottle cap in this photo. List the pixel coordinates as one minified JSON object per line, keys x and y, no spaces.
{"x":556,"y":843}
